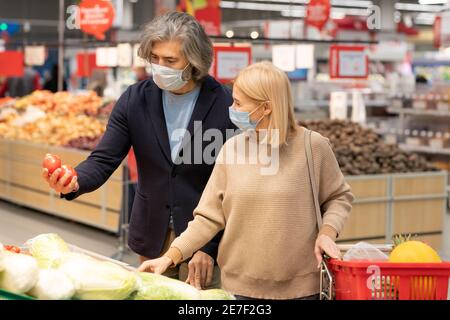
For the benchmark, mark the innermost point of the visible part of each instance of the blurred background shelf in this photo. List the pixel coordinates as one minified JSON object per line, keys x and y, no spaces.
{"x":424,"y":149}
{"x":419,"y":112}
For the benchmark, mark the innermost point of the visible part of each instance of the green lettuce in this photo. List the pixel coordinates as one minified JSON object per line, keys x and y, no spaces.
{"x":216,"y":294}
{"x":48,"y":249}
{"x":98,"y":280}
{"x":158,"y":287}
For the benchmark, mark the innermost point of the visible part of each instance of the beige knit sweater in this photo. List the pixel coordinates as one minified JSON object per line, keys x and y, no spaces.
{"x":269,"y":222}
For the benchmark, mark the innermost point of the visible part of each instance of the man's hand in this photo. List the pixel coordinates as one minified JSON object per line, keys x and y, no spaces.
{"x":201,"y":268}
{"x":58,"y":185}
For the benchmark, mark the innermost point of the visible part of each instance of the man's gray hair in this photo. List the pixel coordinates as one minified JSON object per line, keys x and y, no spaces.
{"x":196,"y":45}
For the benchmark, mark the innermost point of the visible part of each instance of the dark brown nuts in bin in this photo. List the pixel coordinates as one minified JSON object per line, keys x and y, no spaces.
{"x":361,"y":151}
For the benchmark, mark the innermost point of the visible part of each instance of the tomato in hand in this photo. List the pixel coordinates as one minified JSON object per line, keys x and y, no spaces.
{"x":67,"y":169}
{"x":51,"y":162}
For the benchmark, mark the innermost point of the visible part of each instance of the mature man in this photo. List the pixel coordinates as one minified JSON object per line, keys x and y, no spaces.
{"x":148,"y":117}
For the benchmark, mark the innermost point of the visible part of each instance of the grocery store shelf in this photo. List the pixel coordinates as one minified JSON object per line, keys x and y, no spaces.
{"x":368,"y":104}
{"x":424,"y":149}
{"x":419,"y":112}
{"x":383,"y":131}
{"x":430,"y":63}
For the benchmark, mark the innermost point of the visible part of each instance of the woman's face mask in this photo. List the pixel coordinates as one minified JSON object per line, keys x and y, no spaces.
{"x":167,"y":78}
{"x":241,"y":119}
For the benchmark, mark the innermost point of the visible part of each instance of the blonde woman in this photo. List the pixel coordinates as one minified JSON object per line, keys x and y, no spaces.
{"x":271,"y":246}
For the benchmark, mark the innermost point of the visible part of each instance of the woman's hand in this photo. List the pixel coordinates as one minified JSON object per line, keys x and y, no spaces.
{"x":158,"y":266}
{"x":324,"y":244}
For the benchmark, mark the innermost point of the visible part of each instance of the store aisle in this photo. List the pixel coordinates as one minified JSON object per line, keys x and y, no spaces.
{"x":18,"y":224}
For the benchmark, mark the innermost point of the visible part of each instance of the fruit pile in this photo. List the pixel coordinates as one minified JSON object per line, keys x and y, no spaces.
{"x":62,"y":103}
{"x":53,"y":130}
{"x":57,"y":119}
{"x":362,"y":151}
{"x":84,"y":143}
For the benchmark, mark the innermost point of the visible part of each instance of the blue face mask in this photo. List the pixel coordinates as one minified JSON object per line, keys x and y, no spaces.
{"x":241,"y":119}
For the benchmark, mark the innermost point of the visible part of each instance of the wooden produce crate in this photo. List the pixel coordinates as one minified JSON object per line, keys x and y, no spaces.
{"x":400,"y":203}
{"x":21,"y":183}
{"x":414,"y":196}
{"x":368,"y":217}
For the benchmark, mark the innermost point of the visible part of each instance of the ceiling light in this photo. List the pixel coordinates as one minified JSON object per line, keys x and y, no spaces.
{"x":229,"y":34}
{"x":417,"y":7}
{"x":397,"y":17}
{"x":254,"y":35}
{"x":337,"y":15}
{"x":339,"y":3}
{"x":433,"y":1}
{"x":351,"y":3}
{"x":298,"y":10}
{"x":294,"y":13}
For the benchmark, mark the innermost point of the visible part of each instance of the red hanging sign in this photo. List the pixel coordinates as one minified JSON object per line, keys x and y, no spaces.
{"x":228,"y":61}
{"x":348,"y":62}
{"x":86,"y":63}
{"x":318,"y":13}
{"x":11,"y":63}
{"x":210,"y":18}
{"x":437,"y":27}
{"x":96,"y":17}
{"x":207,"y":12}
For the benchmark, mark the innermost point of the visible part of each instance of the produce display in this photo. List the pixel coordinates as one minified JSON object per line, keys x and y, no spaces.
{"x":57,"y":119}
{"x":361,"y":151}
{"x":98,"y":280}
{"x":19,"y":272}
{"x":12,"y":249}
{"x":63,"y":103}
{"x":216,"y":294}
{"x":154,"y":286}
{"x":56,"y":131}
{"x":48,"y":250}
{"x":4,"y":102}
{"x":53,"y":284}
{"x":46,"y":267}
{"x":84,"y":143}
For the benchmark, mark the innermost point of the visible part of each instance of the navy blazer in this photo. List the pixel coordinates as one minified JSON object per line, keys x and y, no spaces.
{"x":163,"y":188}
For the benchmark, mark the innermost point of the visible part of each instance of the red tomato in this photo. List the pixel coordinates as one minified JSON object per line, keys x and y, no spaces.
{"x":67,"y":169}
{"x":12,"y":249}
{"x":51,"y":162}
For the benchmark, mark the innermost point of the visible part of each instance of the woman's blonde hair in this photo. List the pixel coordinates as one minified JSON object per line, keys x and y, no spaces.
{"x":263,"y":82}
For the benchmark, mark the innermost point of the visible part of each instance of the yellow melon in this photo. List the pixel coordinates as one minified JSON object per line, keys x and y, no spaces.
{"x":414,"y":251}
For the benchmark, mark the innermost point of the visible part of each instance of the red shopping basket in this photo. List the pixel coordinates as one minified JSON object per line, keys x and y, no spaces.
{"x":371,"y":280}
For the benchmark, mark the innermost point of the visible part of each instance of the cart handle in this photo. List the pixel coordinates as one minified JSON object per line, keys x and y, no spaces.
{"x":326,"y":280}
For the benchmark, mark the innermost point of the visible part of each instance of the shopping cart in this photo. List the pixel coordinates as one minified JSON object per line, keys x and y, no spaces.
{"x":372,"y":280}
{"x":6,"y":295}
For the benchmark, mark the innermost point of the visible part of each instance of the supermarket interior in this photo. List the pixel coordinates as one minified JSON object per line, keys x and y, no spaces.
{"x":372,"y":76}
